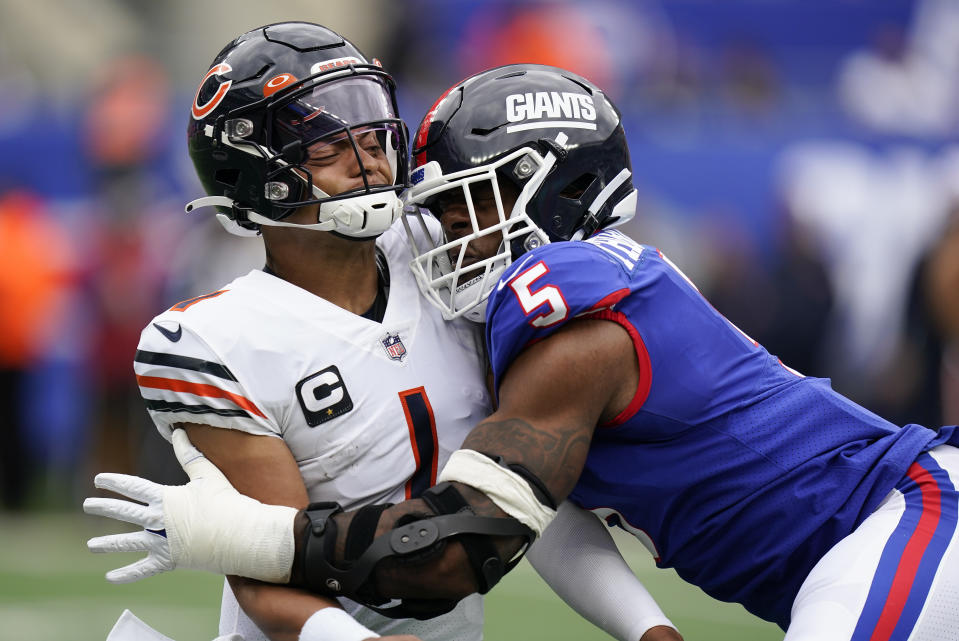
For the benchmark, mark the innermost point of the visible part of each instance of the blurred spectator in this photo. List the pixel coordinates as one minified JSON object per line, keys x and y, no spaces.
{"x":613,"y":43}
{"x":35,"y":262}
{"x":941,"y":282}
{"x":872,"y":214}
{"x":932,"y":337}
{"x":918,"y":384}
{"x":895,"y":88}
{"x":133,"y":232}
{"x":750,"y":83}
{"x":784,"y":302}
{"x":541,"y":32}
{"x":208,"y":257}
{"x":676,"y":85}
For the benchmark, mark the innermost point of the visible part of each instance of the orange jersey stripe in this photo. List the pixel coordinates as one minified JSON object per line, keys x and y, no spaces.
{"x":183,"y":305}
{"x":200,"y":389}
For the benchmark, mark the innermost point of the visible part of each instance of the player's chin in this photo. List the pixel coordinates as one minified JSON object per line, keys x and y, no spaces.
{"x":468,"y":279}
{"x":467,"y":272}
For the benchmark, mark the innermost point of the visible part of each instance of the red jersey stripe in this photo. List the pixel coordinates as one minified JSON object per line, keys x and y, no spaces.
{"x":912,"y":554}
{"x":199,"y":389}
{"x":645,"y":367}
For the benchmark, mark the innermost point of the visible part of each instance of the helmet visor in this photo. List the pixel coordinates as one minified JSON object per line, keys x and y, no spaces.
{"x":331,"y":108}
{"x":343,"y":116}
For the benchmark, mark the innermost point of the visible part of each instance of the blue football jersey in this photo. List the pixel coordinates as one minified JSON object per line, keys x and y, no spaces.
{"x":730,"y":467}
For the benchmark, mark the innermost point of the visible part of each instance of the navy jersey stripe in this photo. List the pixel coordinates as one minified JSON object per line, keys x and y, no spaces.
{"x":422,"y":426}
{"x":172,"y":406}
{"x":184,"y":362}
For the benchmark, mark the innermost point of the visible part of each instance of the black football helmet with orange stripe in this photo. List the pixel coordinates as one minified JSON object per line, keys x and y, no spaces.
{"x":552,"y":137}
{"x":270,"y":95}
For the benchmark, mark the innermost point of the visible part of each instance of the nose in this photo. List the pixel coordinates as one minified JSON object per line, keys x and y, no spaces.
{"x":363,"y":160}
{"x":455,"y":220}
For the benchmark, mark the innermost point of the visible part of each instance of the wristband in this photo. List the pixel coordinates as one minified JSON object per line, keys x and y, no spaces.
{"x":333,"y":624}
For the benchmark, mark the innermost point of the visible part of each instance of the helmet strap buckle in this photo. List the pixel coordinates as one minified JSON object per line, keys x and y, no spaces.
{"x":552,"y":146}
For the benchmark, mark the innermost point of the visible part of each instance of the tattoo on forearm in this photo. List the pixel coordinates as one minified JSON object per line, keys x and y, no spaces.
{"x":556,"y":455}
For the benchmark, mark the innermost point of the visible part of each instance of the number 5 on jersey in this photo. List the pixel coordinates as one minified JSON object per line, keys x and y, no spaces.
{"x":531,"y":300}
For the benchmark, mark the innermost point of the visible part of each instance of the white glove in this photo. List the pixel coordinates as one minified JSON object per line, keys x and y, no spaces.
{"x":130,"y":628}
{"x":203,"y":525}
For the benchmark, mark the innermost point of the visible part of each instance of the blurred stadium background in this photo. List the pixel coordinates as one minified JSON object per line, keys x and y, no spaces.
{"x":798,"y":158}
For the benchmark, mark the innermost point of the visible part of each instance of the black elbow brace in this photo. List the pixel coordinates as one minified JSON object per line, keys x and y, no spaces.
{"x":414,"y":540}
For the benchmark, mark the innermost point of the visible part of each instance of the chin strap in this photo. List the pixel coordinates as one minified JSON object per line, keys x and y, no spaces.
{"x":210,"y":201}
{"x":591,"y":221}
{"x":228,"y":223}
{"x":364,"y":216}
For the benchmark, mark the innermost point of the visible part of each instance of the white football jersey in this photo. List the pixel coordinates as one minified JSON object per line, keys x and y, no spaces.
{"x":371,"y":411}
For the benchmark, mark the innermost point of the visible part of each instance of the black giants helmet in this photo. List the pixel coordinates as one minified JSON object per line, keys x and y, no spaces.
{"x":544,"y":133}
{"x":270,"y":100}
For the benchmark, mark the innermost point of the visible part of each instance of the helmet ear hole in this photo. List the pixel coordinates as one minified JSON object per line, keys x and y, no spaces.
{"x":293,"y":152}
{"x":576,"y":188}
{"x":227,"y":177}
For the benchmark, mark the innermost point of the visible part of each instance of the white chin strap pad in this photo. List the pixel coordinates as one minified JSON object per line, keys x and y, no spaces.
{"x":365,"y":216}
{"x":362,"y":216}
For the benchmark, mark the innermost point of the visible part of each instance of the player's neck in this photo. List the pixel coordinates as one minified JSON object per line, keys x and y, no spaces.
{"x":339,"y":270}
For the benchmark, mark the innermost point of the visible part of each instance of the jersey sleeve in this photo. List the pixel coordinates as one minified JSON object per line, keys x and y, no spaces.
{"x":185,"y":381}
{"x":579,"y":560}
{"x":543,"y":291}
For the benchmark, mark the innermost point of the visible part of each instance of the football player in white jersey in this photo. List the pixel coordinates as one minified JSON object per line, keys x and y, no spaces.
{"x":319,"y":365}
{"x":333,"y":378}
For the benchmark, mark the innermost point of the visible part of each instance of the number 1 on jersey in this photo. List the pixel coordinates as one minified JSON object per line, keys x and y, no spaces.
{"x":422,"y":425}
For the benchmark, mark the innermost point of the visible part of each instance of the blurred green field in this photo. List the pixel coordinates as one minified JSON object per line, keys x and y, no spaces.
{"x":52,"y":589}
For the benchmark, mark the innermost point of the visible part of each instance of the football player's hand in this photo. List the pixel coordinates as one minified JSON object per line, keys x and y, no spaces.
{"x":661,"y":633}
{"x":203,"y":525}
{"x":151,"y":539}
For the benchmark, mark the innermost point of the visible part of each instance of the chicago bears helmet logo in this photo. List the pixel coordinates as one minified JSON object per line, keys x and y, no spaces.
{"x":202,"y":111}
{"x":326,"y":65}
{"x":278,"y":82}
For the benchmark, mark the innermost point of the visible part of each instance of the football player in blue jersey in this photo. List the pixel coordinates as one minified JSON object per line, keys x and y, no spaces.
{"x":620,"y":388}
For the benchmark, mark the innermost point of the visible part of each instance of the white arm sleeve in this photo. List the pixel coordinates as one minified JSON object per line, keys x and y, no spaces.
{"x":579,"y":560}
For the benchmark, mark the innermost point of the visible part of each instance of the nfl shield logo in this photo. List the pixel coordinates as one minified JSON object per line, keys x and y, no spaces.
{"x":394,"y":347}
